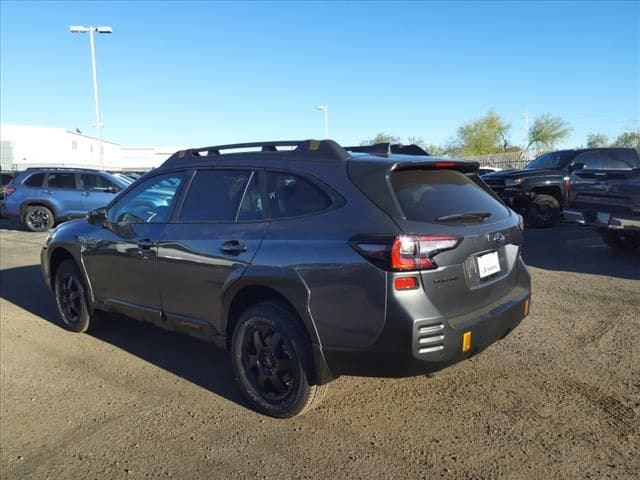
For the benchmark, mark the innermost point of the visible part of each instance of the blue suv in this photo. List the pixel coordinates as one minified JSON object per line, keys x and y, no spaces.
{"x":42,"y":197}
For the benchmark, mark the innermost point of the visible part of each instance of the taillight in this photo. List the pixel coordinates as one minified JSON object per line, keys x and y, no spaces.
{"x":414,"y":252}
{"x":403,"y":252}
{"x":8,"y":190}
{"x":567,"y":188}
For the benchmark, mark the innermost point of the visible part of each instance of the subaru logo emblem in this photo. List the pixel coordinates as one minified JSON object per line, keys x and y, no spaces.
{"x":499,"y":238}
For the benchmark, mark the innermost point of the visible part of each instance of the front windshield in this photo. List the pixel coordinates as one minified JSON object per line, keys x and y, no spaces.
{"x":552,"y":160}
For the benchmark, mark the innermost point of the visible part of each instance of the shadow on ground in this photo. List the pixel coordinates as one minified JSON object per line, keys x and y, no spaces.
{"x":564,"y":248}
{"x":194,"y":360}
{"x":574,"y":248}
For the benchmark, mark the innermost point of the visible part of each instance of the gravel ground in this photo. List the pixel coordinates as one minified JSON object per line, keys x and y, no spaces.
{"x":558,"y":398}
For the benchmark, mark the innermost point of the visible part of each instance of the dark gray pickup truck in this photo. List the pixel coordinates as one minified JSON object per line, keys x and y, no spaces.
{"x":612,"y":205}
{"x":552,"y":181}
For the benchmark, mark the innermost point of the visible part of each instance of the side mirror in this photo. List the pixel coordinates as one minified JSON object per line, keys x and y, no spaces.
{"x":576,"y":166}
{"x":97,"y":216}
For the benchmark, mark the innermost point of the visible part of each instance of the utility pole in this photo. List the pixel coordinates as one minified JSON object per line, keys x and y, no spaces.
{"x":90,"y":31}
{"x":526,"y":131}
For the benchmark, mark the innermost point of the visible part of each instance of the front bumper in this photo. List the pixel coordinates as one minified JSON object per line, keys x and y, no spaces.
{"x":605,"y":220}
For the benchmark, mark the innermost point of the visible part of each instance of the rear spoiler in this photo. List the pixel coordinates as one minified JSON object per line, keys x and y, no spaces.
{"x":463,"y":166}
{"x":388,"y":148}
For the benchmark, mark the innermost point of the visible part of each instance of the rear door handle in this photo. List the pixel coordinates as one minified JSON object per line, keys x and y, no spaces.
{"x":233,"y":247}
{"x":146,"y":244}
{"x":85,"y":194}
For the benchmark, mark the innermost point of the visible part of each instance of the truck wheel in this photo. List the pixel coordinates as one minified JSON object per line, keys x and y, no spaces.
{"x":71,"y":298}
{"x":544,"y":211}
{"x":273,"y":363}
{"x":38,"y":218}
{"x":620,"y":240}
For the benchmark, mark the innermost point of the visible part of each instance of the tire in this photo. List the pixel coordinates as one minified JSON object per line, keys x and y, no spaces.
{"x":273,"y":363}
{"x":620,"y":240}
{"x":38,"y":218}
{"x":544,"y":211}
{"x":72,"y":298}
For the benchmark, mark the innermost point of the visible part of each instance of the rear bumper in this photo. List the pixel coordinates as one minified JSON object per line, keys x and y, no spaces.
{"x":409,"y":347}
{"x":611,"y":221}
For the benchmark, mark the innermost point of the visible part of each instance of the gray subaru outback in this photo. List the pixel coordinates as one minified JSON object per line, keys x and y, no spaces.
{"x":305,"y":259}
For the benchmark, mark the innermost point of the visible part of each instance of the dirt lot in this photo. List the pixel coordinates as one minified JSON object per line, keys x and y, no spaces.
{"x":559,"y":398}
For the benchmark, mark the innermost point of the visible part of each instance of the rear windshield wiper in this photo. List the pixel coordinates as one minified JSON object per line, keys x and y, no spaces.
{"x":464,"y":216}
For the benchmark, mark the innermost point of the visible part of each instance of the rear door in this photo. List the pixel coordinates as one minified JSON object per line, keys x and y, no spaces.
{"x":62,"y":190}
{"x":447,"y":203}
{"x":217,"y":231}
{"x":97,"y":190}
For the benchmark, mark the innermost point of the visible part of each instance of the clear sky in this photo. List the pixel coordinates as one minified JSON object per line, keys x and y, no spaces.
{"x":202,"y":73}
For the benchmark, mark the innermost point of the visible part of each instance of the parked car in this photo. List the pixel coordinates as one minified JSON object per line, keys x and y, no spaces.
{"x":5,"y":179}
{"x":484,"y":170}
{"x":42,"y":197}
{"x":306,"y":263}
{"x":612,"y":205}
{"x":551,"y":181}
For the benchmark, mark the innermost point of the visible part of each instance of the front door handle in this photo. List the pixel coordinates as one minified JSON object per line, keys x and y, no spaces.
{"x":146,"y":244}
{"x":233,"y":247}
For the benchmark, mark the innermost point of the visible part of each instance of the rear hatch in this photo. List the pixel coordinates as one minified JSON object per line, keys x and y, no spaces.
{"x":448,"y":200}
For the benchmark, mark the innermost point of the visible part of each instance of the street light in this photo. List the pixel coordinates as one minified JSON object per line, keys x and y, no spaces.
{"x":90,"y":30}
{"x":325,"y":109}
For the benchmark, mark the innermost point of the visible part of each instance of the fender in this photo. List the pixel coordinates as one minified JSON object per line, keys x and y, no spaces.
{"x":292,"y":287}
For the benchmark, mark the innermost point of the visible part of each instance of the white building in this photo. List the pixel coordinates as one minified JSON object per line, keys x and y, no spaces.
{"x":23,"y":146}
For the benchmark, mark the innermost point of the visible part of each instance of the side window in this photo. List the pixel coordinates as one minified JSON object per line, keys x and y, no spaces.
{"x":66,"y":181}
{"x":92,"y":181}
{"x":591,"y":160}
{"x":252,"y":207}
{"x":214,"y":195}
{"x":622,"y":160}
{"x":150,"y":202}
{"x":292,"y":196}
{"x":35,"y":180}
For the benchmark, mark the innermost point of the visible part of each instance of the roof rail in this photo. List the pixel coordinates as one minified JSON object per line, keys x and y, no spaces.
{"x":309,"y":149}
{"x":387,"y":148}
{"x":84,"y":169}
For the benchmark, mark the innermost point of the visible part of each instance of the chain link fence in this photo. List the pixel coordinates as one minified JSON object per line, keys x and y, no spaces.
{"x":505,"y":161}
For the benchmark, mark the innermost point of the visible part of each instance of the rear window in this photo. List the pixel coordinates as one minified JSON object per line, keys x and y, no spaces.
{"x":292,"y":196}
{"x":214,"y":196}
{"x":623,"y":159}
{"x":62,"y":180}
{"x":426,"y":195}
{"x":35,"y":180}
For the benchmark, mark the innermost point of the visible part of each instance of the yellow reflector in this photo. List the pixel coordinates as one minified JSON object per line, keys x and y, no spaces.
{"x":466,"y":341}
{"x":526,"y":307}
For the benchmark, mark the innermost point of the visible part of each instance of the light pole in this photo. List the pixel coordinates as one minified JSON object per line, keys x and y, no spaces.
{"x":91,"y":30}
{"x":325,"y":110}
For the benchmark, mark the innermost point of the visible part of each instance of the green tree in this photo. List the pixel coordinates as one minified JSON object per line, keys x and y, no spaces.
{"x":597,"y":140}
{"x":431,"y":149}
{"x":483,"y":136}
{"x":547,"y":131}
{"x":628,"y":139}
{"x":381,"y":137}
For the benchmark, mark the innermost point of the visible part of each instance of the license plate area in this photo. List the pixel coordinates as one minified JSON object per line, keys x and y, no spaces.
{"x":488,"y":264}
